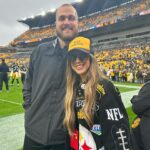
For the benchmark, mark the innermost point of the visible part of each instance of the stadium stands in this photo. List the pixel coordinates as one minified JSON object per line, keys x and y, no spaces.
{"x":89,"y":22}
{"x":120,"y":35}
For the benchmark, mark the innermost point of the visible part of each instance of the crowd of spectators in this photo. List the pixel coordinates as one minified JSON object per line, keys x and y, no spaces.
{"x":122,"y":65}
{"x":11,"y":58}
{"x":126,"y":64}
{"x":112,"y":16}
{"x":35,"y":35}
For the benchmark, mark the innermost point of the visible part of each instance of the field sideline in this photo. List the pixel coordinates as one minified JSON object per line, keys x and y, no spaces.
{"x":11,"y":113}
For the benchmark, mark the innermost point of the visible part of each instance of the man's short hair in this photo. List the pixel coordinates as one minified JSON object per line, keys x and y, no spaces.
{"x":63,"y":5}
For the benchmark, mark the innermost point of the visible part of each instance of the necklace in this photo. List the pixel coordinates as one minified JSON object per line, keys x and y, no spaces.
{"x":82,"y":86}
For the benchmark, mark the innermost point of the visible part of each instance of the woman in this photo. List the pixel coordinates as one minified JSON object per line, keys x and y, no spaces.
{"x":94,"y":113}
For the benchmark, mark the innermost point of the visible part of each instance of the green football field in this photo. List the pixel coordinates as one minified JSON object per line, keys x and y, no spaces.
{"x":11,"y":113}
{"x":11,"y":101}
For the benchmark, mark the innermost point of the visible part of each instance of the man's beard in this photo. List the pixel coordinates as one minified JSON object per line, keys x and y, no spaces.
{"x":66,"y":38}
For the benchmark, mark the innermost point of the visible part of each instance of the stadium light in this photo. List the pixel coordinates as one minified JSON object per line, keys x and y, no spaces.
{"x":43,"y":13}
{"x":53,"y":10}
{"x":24,"y":18}
{"x":79,"y":1}
{"x":32,"y":16}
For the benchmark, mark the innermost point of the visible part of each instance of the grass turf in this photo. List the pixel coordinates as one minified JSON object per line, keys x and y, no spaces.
{"x":124,"y":89}
{"x":11,"y":101}
{"x":127,"y":83}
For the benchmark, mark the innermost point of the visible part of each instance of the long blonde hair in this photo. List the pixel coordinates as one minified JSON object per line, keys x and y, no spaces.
{"x":93,"y":76}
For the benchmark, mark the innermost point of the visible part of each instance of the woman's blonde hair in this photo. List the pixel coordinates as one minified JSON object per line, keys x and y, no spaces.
{"x":92,"y":78}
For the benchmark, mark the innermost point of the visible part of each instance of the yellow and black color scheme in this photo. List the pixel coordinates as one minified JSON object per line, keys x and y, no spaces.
{"x":80,"y":43}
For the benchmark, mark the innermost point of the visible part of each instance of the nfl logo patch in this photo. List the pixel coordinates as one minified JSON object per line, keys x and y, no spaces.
{"x":96,"y":129}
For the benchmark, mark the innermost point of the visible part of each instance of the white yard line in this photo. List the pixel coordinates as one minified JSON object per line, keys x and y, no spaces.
{"x":126,"y":97}
{"x":128,"y":86}
{"x":3,"y":100}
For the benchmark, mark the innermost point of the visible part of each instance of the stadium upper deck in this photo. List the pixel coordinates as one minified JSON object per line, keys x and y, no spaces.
{"x":93,"y":20}
{"x":84,"y":8}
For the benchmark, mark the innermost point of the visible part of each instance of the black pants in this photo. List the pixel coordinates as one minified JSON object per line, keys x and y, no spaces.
{"x":3,"y":78}
{"x":22,"y":77}
{"x":12,"y":82}
{"x":32,"y":145}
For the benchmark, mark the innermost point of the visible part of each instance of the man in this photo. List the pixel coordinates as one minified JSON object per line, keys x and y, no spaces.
{"x":15,"y":73}
{"x":4,"y":69}
{"x":23,"y":70}
{"x":141,"y":106}
{"x":44,"y":87}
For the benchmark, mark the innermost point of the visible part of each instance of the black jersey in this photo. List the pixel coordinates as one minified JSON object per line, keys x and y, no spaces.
{"x":110,"y":130}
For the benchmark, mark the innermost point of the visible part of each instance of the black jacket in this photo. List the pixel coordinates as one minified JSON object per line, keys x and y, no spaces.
{"x":110,"y":129}
{"x":43,"y":92}
{"x":4,"y":68}
{"x":141,"y":106}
